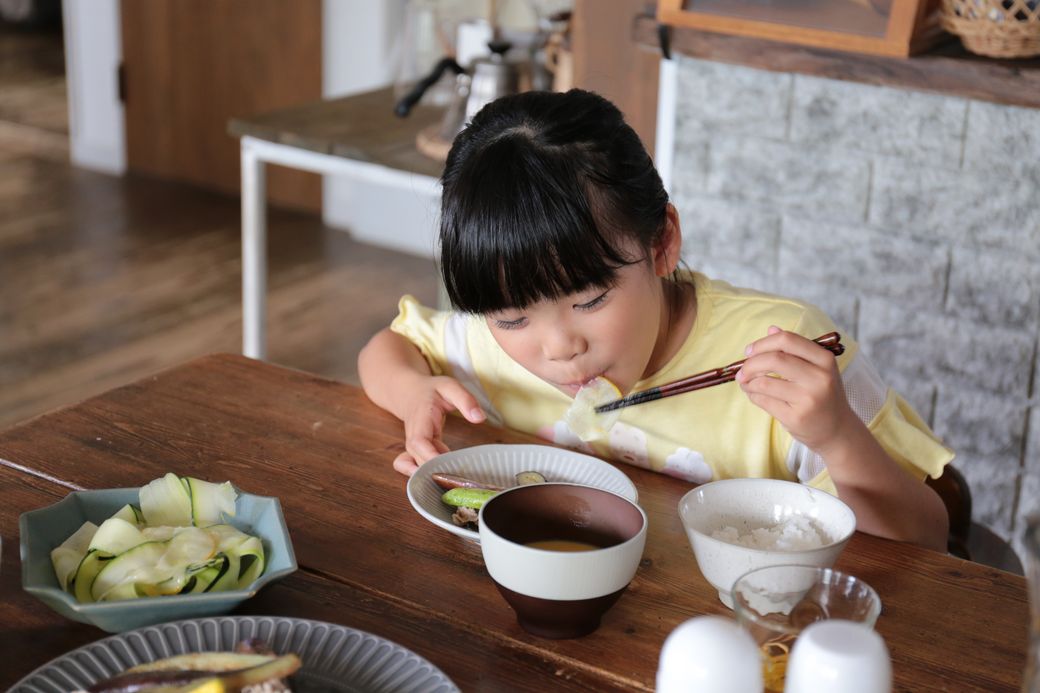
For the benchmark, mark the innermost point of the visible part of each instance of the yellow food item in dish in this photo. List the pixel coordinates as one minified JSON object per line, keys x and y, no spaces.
{"x":774,"y":664}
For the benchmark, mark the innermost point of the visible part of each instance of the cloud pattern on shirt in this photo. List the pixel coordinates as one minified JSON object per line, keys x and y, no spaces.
{"x":689,"y":465}
{"x":628,"y":444}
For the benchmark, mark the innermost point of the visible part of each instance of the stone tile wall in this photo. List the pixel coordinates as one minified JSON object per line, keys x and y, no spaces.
{"x":913,"y":219}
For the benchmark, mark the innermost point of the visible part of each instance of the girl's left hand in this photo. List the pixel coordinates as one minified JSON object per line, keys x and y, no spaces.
{"x":797,"y":382}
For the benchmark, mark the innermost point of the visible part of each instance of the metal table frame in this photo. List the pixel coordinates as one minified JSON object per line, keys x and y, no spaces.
{"x":255,"y":153}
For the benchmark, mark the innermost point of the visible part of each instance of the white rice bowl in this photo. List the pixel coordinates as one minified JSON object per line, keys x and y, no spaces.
{"x":737,"y":525}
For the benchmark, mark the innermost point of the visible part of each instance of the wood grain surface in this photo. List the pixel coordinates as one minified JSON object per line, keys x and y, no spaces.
{"x":369,"y":561}
{"x":362,"y":127}
{"x":32,"y":635}
{"x":104,"y":280}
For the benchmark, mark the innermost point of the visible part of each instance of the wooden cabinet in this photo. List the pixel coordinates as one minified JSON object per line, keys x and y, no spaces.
{"x":189,"y":66}
{"x":880,"y":27}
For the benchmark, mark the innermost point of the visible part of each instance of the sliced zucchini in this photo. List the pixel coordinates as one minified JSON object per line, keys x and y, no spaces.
{"x":228,"y":577}
{"x":166,"y":501}
{"x":202,"y":577}
{"x":251,"y":561}
{"x":134,"y":565}
{"x":159,"y":533}
{"x":151,"y":585}
{"x":124,"y":590}
{"x":176,"y":543}
{"x":129,"y":513}
{"x":115,"y":536}
{"x":227,"y":537}
{"x":189,"y":546}
{"x":88,"y":569}
{"x":211,"y":502}
{"x":67,"y":557}
{"x":246,"y":553}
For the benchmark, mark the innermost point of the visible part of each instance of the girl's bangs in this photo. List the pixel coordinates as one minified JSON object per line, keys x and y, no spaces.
{"x":531,"y":248}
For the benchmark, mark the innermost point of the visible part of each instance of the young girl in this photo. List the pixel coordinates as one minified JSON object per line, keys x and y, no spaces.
{"x":559,"y":250}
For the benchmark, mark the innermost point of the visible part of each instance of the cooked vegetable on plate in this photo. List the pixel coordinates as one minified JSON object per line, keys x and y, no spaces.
{"x":252,"y":668}
{"x":467,"y":496}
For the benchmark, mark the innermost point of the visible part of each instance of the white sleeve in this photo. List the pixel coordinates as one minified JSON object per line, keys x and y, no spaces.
{"x":456,"y":353}
{"x":866,"y":393}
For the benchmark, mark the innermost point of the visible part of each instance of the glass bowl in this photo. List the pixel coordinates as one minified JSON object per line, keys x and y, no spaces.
{"x":776,"y":603}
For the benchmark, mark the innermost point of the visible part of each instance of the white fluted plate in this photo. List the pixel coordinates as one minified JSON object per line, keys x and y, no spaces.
{"x":498,"y":465}
{"x":335,"y":658}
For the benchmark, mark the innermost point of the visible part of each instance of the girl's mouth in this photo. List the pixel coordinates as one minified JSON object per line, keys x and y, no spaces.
{"x":572,"y":388}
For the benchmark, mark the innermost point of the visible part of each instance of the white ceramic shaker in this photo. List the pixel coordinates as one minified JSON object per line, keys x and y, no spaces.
{"x":709,"y":653}
{"x":838,"y":655}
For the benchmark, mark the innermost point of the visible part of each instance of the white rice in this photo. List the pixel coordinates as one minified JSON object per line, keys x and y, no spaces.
{"x":797,"y":533}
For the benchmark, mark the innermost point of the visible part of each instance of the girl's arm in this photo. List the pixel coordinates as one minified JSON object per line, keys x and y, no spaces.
{"x":887,"y":501}
{"x":396,"y":377}
{"x":390,"y":368}
{"x":809,"y":400}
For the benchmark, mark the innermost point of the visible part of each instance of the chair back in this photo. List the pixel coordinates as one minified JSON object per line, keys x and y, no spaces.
{"x":970,"y":540}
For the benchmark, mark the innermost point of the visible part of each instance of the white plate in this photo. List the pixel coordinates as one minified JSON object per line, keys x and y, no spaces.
{"x":498,"y":464}
{"x":335,"y":658}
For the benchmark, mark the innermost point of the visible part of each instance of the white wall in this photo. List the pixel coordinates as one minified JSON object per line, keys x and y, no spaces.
{"x":93,"y":50}
{"x":361,"y":53}
{"x":911,"y":217}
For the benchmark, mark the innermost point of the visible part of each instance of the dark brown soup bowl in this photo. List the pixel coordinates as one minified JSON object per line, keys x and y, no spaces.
{"x":561,"y":554}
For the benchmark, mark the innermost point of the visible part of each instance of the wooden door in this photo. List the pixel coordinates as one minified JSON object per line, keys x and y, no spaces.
{"x":190,"y":65}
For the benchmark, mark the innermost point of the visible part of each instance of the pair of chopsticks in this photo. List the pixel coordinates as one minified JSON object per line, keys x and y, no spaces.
{"x":830,"y":341}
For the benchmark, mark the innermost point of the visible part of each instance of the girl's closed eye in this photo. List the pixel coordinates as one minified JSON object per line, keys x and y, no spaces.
{"x":594,"y":303}
{"x":514,"y":324}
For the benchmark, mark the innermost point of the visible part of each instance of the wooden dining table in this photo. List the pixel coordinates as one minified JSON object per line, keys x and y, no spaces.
{"x":369,"y":561}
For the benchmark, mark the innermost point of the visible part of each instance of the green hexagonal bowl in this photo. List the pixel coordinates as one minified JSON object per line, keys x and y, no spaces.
{"x":42,"y":530}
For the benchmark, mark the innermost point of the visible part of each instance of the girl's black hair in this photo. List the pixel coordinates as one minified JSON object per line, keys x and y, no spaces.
{"x":539,"y":193}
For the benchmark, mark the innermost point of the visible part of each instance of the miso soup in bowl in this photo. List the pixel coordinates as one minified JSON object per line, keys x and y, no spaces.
{"x":561,"y":554}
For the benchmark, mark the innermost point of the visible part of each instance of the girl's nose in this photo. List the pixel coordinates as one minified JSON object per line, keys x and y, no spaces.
{"x":560,"y":345}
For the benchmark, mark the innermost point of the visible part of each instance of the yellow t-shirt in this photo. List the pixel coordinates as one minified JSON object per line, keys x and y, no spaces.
{"x":710,"y":434}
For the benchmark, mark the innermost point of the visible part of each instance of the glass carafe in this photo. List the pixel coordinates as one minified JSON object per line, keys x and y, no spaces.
{"x":1031,"y":680}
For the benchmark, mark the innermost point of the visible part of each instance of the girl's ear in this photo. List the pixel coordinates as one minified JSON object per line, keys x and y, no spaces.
{"x":669,"y":247}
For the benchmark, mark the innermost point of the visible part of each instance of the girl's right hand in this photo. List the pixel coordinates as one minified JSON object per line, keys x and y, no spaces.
{"x":424,"y":419}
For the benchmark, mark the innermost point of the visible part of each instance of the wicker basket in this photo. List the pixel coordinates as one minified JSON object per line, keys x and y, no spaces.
{"x":996,"y":28}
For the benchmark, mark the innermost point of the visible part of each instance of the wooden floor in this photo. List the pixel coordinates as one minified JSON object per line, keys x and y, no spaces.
{"x":104,"y":280}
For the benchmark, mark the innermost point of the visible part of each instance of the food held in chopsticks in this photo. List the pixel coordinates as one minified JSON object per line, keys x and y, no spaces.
{"x":584,"y":418}
{"x":175,"y":542}
{"x":252,"y":668}
{"x":467,"y":496}
{"x":717,"y":376}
